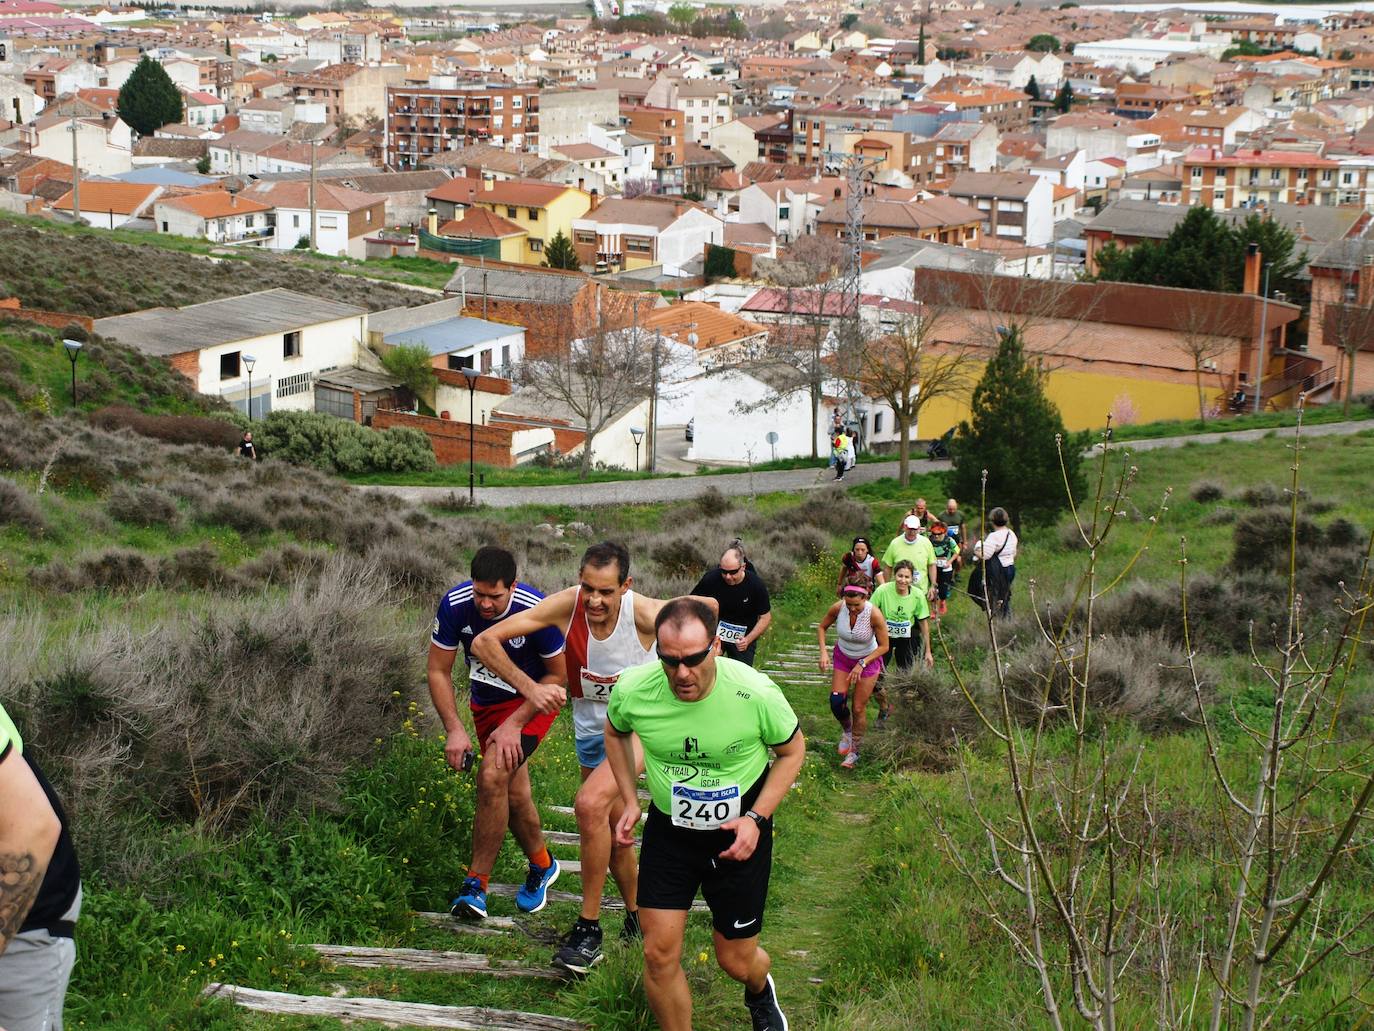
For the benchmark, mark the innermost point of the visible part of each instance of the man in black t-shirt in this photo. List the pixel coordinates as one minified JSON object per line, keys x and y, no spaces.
{"x":40,"y":892}
{"x":745,"y":612}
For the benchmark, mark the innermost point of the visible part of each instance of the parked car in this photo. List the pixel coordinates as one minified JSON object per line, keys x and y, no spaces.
{"x":690,"y":423}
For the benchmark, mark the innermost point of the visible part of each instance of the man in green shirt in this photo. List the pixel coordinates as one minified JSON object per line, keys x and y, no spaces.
{"x":913,"y":546}
{"x":706,"y":725}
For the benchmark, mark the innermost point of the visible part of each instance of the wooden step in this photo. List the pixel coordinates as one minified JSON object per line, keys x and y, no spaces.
{"x":567,"y":838}
{"x":507,"y":891}
{"x":428,"y":960}
{"x":568,"y":810}
{"x":403,"y":1014}
{"x":491,"y":925}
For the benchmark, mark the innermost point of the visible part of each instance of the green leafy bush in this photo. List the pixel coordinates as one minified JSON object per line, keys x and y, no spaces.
{"x":339,"y":446}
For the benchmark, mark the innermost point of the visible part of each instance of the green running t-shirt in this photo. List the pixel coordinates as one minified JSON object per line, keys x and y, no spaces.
{"x":701,"y":757}
{"x":901,"y":611}
{"x":918,"y":552}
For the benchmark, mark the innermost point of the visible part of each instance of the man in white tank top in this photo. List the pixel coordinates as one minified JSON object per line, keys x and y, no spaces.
{"x":610,"y":628}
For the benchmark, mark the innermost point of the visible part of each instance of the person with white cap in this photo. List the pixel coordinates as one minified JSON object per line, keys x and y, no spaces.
{"x":916,"y":548}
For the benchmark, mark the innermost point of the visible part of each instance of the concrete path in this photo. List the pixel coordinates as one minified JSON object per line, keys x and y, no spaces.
{"x":619,"y":492}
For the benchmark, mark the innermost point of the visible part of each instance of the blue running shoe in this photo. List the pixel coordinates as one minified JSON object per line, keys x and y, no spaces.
{"x":534,"y":893}
{"x":471,"y":903}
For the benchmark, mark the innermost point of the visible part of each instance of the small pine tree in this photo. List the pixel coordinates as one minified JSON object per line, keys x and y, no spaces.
{"x":1033,"y":89}
{"x":921,"y":45}
{"x":412,"y":364}
{"x":1013,"y":436}
{"x":1064,"y":100}
{"x":149,"y":99}
{"x":560,"y":253}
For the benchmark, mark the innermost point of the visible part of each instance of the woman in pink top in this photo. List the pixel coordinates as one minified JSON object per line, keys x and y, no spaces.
{"x":861,"y":644}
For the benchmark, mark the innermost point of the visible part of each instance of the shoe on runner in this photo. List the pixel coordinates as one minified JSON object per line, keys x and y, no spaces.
{"x":534,"y":893}
{"x":882,"y":717}
{"x":846,"y":743}
{"x":471,"y":903}
{"x":631,"y":930}
{"x":851,"y":760}
{"x":581,"y":949}
{"x":764,"y":1010}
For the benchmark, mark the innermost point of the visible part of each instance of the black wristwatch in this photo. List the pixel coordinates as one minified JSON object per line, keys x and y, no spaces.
{"x":758,"y":818}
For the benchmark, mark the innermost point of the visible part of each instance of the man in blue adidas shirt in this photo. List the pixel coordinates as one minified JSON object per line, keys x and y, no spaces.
{"x":504,"y":797}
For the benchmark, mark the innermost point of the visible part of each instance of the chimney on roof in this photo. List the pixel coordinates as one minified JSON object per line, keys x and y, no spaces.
{"x":596,"y":200}
{"x":432,"y":223}
{"x":1250,"y":282}
{"x":488,"y":181}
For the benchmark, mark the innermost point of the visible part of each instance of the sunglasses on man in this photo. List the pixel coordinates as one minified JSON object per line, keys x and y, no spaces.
{"x":690,"y":661}
{"x":731,"y":572}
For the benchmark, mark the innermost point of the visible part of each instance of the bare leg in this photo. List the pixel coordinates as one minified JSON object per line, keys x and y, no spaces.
{"x":665,"y":983}
{"x":524,"y":816}
{"x":742,"y":959}
{"x":859,"y":708}
{"x":598,"y":806}
{"x":492,"y":815}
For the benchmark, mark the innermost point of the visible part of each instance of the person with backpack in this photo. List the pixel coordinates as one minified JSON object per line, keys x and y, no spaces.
{"x":990,"y":583}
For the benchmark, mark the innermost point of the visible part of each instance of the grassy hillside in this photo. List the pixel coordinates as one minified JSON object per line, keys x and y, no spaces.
{"x":98,"y":273}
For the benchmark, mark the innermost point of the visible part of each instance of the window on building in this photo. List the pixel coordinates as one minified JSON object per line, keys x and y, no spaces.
{"x":534,"y":214}
{"x":584,"y":236}
{"x":164,"y":227}
{"x":229,"y":365}
{"x":517,"y":102}
{"x":486,"y":361}
{"x":329,"y":221}
{"x":457,"y":362}
{"x":367,"y":217}
{"x":505,"y":356}
{"x":639,"y":245}
{"x":877,"y":423}
{"x":295,"y":221}
{"x":510,"y":212}
{"x":537,"y":246}
{"x":291,"y":345}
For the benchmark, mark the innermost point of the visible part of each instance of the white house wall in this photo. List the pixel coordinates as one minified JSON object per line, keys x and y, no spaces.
{"x":329,"y":345}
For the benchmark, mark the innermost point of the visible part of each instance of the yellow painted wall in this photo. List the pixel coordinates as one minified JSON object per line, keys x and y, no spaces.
{"x":1084,"y":399}
{"x":634,"y":261}
{"x":513,"y":249}
{"x":559,"y":214}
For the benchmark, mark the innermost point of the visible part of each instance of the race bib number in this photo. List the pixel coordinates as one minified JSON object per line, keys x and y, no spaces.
{"x":597,"y":687}
{"x":705,"y":809}
{"x":943,"y":563}
{"x":731,"y":633}
{"x":899,"y":628}
{"x":479,"y":674}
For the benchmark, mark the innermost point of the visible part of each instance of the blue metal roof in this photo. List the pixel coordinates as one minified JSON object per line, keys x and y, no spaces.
{"x":450,"y":335}
{"x":161,"y":175}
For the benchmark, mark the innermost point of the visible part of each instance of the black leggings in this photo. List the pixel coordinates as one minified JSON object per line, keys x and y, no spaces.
{"x":903,"y":653}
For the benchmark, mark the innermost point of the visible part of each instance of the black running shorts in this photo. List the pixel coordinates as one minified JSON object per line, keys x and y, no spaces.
{"x":676,"y":862}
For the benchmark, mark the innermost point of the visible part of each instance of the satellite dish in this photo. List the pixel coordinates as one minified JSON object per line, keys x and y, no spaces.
{"x":772,"y":437}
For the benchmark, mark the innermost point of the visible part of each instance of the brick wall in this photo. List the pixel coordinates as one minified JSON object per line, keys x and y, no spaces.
{"x":188,"y":364}
{"x":51,"y":319}
{"x":491,"y":444}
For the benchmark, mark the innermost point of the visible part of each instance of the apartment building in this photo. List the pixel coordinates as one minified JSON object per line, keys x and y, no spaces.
{"x":1015,"y":206}
{"x":662,"y":126}
{"x":1250,"y":177}
{"x":347,"y":90}
{"x":1007,"y":109}
{"x":423,"y":121}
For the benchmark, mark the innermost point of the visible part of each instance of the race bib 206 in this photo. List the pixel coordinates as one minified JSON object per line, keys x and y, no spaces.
{"x":731,"y":633}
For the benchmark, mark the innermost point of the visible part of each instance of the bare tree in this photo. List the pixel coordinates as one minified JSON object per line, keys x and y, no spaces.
{"x":1080,"y":873}
{"x":632,"y":188}
{"x":595,"y":376}
{"x":1207,"y":331}
{"x":911,"y":366}
{"x":1351,"y":328}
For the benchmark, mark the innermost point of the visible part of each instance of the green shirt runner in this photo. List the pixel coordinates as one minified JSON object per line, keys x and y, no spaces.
{"x":918,"y":552}
{"x":901,"y":611}
{"x":701,"y":757}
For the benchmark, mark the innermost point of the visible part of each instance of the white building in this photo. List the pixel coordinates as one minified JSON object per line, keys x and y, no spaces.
{"x":287,"y":338}
{"x":104,"y":145}
{"x":1139,"y":56}
{"x":343,"y":217}
{"x":646,"y":231}
{"x":217,"y":216}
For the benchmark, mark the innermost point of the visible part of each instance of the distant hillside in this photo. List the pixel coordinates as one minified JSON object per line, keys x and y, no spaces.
{"x":90,"y":274}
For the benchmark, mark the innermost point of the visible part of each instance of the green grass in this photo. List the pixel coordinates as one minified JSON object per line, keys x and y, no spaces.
{"x":1313,"y":416}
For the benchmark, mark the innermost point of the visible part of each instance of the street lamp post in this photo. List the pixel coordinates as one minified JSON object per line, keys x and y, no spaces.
{"x":73,"y":351}
{"x":638,"y":435}
{"x":470,"y":374}
{"x":248,"y":362}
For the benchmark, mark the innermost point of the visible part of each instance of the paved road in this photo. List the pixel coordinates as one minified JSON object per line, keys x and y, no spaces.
{"x":738,"y":484}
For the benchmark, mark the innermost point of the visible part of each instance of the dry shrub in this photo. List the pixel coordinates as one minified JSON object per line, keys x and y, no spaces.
{"x":173,"y":429}
{"x":1140,"y":677}
{"x":929,"y":716}
{"x":1262,"y":538}
{"x":143,"y":506}
{"x":236,"y":510}
{"x":256,"y":705}
{"x":410,"y":570}
{"x":1071,"y":537}
{"x":20,"y":508}
{"x":286,"y":564}
{"x":114,"y":569}
{"x":1342,"y":533}
{"x":1219,"y":517}
{"x":831,"y":510}
{"x":678,"y":557}
{"x":712,"y":503}
{"x":1206,"y":491}
{"x":1261,"y":495}
{"x":192,"y":568}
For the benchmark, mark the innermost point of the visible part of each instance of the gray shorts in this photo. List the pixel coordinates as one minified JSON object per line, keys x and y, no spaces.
{"x":34,"y":971}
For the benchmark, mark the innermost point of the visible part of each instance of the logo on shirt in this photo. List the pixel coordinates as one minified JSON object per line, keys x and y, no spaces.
{"x":435,"y":630}
{"x":467,"y":629}
{"x":517,"y":642}
{"x":689,"y":745}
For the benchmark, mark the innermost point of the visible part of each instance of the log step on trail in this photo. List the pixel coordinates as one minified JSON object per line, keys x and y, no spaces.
{"x":568,"y":810}
{"x":567,"y":838}
{"x":491,"y":925}
{"x":429,"y":960}
{"x":507,"y":891}
{"x":405,"y":1014}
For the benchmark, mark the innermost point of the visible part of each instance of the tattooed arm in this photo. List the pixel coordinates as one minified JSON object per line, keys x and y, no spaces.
{"x":29,"y":830}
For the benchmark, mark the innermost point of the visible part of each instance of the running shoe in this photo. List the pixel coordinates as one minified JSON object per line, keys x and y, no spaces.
{"x":846,"y":742}
{"x":471,"y":903}
{"x":851,"y":760}
{"x":581,"y":949}
{"x":943,"y":606}
{"x":764,"y":1010}
{"x":882,"y":717}
{"x":534,"y":893}
{"x":631,"y":930}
